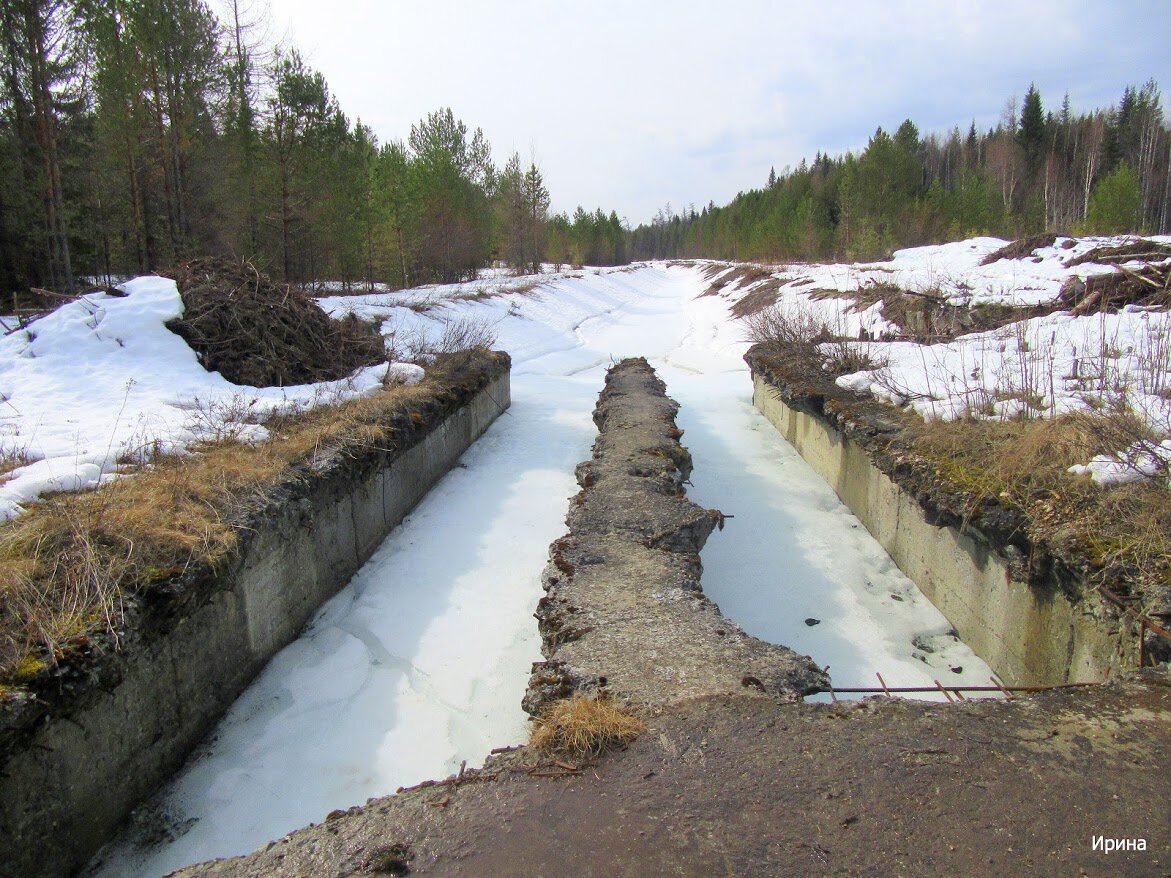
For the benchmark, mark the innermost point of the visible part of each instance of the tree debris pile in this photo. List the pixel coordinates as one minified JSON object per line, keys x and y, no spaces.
{"x":1022,"y":248}
{"x":1143,"y":249}
{"x":256,"y":332}
{"x":1147,"y":285}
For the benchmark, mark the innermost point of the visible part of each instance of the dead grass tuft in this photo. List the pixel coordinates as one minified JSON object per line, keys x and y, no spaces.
{"x":1007,"y":459}
{"x":720,"y":276}
{"x":12,"y":459}
{"x":458,"y":334}
{"x":526,"y":288}
{"x":583,"y":726}
{"x":763,"y":295}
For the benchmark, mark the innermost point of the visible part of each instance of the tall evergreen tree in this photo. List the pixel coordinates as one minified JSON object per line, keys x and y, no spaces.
{"x":38,"y":54}
{"x":1031,"y":131}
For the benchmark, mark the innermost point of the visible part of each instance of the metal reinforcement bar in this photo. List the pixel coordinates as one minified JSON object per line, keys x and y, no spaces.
{"x":1145,"y":623}
{"x":948,"y":691}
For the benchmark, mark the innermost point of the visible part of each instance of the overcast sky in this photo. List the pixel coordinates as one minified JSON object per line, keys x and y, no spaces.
{"x":630,"y":105}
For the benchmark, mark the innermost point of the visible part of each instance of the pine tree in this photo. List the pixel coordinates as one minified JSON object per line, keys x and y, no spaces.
{"x":38,"y":46}
{"x":536,"y":200}
{"x":454,"y":176}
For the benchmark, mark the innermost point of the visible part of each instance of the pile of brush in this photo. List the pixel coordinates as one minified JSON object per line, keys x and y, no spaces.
{"x":256,"y":332}
{"x":1147,"y":283}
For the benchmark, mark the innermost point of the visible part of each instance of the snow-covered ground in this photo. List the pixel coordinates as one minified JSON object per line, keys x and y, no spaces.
{"x":954,"y":271}
{"x":102,"y":381}
{"x":1042,"y":367}
{"x":422,"y":660}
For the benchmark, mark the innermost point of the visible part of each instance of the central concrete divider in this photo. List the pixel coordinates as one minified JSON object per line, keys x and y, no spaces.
{"x":624,"y":611}
{"x":1032,"y":628}
{"x":77,"y":759}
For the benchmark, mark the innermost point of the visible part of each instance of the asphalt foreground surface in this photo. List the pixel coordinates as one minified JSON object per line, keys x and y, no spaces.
{"x":746,"y":786}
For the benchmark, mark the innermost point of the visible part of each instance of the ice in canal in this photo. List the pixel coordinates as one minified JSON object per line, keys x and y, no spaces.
{"x":422,"y":660}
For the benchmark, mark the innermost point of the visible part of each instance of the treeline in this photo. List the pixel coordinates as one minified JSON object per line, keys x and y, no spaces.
{"x":138,"y":133}
{"x":1100,"y":172}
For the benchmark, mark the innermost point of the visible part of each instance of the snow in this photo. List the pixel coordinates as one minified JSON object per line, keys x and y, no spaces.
{"x":101,"y":380}
{"x":1041,"y":367}
{"x":421,"y":662}
{"x":1059,"y":362}
{"x":404,"y":373}
{"x":1142,"y":460}
{"x":954,"y":271}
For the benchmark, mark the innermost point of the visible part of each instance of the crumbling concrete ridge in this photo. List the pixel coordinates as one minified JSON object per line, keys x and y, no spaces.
{"x":624,"y":609}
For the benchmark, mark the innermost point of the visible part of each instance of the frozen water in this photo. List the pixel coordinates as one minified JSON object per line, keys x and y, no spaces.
{"x":422,"y":660}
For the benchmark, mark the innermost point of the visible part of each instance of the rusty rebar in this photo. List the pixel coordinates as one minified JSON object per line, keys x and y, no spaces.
{"x":1145,"y":623}
{"x":1006,"y":690}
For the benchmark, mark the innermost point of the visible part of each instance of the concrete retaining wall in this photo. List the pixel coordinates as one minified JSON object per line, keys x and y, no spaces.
{"x":1030,"y":633}
{"x":76,"y":771}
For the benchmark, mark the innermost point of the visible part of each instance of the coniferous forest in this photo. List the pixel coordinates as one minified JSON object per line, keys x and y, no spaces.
{"x":138,"y":133}
{"x":1037,"y":171}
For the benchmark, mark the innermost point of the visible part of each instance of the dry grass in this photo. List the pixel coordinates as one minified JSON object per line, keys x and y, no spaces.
{"x":428,"y":303}
{"x":721,"y":275}
{"x":458,"y":334}
{"x":12,"y":459}
{"x":989,"y":458}
{"x":583,"y":726}
{"x":1124,"y":532}
{"x":520,"y":288}
{"x":68,"y":565}
{"x":762,"y":296}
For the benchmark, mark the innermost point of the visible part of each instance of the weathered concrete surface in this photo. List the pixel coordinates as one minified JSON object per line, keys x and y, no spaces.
{"x":102,"y":737}
{"x":623,"y":607}
{"x":1034,"y":624}
{"x":744,"y":786}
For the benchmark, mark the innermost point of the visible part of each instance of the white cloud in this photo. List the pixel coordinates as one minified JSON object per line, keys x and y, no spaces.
{"x":630,"y":105}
